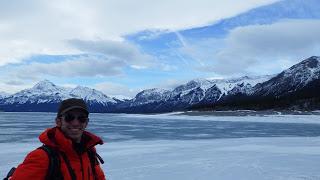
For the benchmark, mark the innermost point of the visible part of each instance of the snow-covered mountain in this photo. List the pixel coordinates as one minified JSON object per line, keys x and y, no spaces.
{"x":91,"y":95}
{"x":243,"y":84}
{"x":44,"y":96}
{"x":46,"y":91}
{"x":188,"y":94}
{"x":150,"y":96}
{"x":121,"y":97}
{"x":301,"y":80}
{"x":42,"y":92}
{"x":297,"y":87}
{"x":292,"y":79}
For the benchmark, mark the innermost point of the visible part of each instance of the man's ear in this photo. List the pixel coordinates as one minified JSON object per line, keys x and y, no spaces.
{"x":58,"y":122}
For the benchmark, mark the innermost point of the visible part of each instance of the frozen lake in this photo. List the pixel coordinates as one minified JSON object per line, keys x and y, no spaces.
{"x":171,"y":146}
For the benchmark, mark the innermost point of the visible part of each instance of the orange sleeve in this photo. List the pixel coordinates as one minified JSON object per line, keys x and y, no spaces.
{"x":34,"y":166}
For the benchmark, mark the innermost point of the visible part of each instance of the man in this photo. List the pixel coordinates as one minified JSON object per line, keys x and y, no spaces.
{"x":72,"y":143}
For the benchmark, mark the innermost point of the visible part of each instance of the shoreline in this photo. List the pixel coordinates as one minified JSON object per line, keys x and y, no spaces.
{"x":245,"y":113}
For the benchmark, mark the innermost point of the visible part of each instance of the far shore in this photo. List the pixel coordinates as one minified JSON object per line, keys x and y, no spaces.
{"x":206,"y":113}
{"x":245,"y":113}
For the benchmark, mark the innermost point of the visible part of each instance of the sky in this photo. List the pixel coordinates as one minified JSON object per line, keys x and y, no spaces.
{"x":121,"y":47}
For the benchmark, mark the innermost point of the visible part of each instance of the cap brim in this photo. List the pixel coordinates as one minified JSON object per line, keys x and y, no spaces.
{"x":74,"y":107}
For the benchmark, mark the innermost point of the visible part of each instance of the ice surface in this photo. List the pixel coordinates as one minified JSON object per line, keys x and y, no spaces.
{"x":185,"y":147}
{"x":279,"y":118}
{"x":223,"y":159}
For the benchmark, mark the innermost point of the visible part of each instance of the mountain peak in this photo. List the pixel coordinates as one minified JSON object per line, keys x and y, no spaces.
{"x":198,"y":81}
{"x":44,"y":84}
{"x":294,"y":78}
{"x":152,"y":92}
{"x":91,"y":95}
{"x":83,"y":88}
{"x":311,"y":62}
{"x":151,"y":95}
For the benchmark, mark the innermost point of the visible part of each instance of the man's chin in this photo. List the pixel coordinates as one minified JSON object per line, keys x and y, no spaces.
{"x":75,"y":138}
{"x":75,"y":135}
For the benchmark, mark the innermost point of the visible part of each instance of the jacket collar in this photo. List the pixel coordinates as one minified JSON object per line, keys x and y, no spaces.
{"x":55,"y":138}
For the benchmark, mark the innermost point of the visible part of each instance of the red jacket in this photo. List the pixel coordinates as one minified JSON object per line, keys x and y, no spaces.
{"x":36,"y":163}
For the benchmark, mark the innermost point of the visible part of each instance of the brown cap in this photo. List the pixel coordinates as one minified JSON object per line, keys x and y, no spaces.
{"x":72,"y":103}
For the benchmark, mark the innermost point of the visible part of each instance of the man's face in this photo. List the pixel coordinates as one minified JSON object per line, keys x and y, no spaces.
{"x":73,"y":123}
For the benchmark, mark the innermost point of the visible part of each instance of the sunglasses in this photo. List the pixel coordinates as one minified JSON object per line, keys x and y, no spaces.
{"x":70,"y":117}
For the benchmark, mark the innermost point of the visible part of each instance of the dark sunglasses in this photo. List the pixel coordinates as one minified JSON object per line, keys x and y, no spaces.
{"x":70,"y":117}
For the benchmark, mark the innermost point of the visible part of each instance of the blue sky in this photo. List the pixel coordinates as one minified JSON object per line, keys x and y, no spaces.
{"x":121,"y":47}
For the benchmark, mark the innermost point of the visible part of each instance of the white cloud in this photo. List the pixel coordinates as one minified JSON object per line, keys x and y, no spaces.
{"x":269,"y":45}
{"x":168,"y":84}
{"x":286,"y":37}
{"x":29,"y":27}
{"x":258,"y":49}
{"x":12,"y":87}
{"x":83,"y":66}
{"x":121,"y":51}
{"x":201,"y":51}
{"x":173,"y":15}
{"x":104,"y":58}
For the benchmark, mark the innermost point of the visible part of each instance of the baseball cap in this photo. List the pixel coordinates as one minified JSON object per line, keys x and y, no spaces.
{"x":70,"y":104}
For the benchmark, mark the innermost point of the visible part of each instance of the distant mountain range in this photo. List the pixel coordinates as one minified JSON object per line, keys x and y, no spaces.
{"x":45,"y":97}
{"x":296,"y":88}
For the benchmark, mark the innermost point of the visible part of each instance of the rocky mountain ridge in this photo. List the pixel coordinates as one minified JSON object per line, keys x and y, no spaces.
{"x":296,"y":88}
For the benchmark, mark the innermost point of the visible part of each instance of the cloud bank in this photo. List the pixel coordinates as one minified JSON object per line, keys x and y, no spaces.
{"x":258,"y":49}
{"x":30,"y":27}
